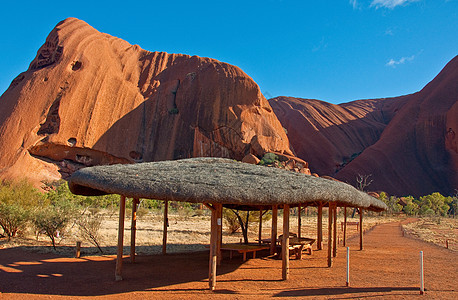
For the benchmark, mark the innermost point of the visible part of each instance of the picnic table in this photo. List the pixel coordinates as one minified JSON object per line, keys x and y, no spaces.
{"x":297,"y":245}
{"x":244,"y":249}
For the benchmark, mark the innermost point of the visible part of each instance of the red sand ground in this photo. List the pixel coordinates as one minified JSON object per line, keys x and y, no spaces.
{"x":388,"y":267}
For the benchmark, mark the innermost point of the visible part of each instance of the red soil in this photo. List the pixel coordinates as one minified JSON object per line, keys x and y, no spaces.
{"x":388,"y":267}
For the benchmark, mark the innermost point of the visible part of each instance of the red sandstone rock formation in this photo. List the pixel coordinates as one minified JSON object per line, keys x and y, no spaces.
{"x":408,"y":144}
{"x":89,"y":98}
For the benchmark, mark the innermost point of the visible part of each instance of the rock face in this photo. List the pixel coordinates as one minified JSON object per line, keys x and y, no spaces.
{"x":89,"y":98}
{"x":408,"y":144}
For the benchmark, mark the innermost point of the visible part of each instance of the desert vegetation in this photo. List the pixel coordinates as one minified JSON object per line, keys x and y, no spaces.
{"x":59,"y":218}
{"x":431,"y":205}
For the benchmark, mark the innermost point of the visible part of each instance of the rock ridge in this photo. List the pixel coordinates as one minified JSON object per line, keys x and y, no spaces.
{"x":90,"y":98}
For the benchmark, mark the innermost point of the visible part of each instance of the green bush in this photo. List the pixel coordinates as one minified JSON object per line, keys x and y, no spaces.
{"x":13,"y":218}
{"x":17,"y":201}
{"x":173,"y":111}
{"x":268,"y":159}
{"x":54,"y":218}
{"x":391,"y":202}
{"x":435,"y":202}
{"x":411,"y":208}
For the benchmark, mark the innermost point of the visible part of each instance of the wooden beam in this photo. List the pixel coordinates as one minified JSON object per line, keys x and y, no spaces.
{"x":260,"y":226}
{"x":166,"y":224}
{"x":133,"y":229}
{"x":330,"y":213}
{"x":319,"y":244}
{"x":334,"y":239}
{"x":345,"y":228}
{"x":273,"y":234}
{"x":122,"y":213}
{"x":360,"y":229}
{"x":213,"y":246}
{"x":285,"y":243}
{"x":219,"y":222}
{"x":299,"y":222}
{"x":209,"y":206}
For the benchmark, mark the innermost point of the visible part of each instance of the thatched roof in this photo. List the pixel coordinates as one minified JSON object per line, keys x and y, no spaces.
{"x":217,"y":180}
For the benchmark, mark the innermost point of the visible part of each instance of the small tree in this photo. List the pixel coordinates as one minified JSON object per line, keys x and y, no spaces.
{"x":244,"y":218}
{"x":89,"y":224}
{"x":435,"y":202}
{"x":231,"y":219}
{"x":363,"y":181}
{"x":54,"y":218}
{"x":13,"y":218}
{"x":16,"y":202}
{"x":454,"y":204}
{"x":411,"y":207}
{"x":392,"y":202}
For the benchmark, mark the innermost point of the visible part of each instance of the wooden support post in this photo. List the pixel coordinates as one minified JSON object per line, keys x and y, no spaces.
{"x":219,"y":223}
{"x":348,"y":267}
{"x":319,"y":244}
{"x":78,"y":249}
{"x":166,"y":224}
{"x":213,"y":246}
{"x":330,"y":213}
{"x":133,"y":229}
{"x":299,"y":223}
{"x":260,"y":227}
{"x":273,"y":234}
{"x":122,"y":213}
{"x":334,"y":240}
{"x":345,"y":227}
{"x":422,"y":276}
{"x":285,"y":243}
{"x":360,"y":228}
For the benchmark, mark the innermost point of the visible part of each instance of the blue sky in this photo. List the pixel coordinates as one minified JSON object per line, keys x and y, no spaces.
{"x":336,"y":51}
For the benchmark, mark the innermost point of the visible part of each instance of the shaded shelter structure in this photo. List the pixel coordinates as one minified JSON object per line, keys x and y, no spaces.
{"x":218,"y":182}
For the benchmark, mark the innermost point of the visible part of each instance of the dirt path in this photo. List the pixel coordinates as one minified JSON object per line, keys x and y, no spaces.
{"x":388,"y":267}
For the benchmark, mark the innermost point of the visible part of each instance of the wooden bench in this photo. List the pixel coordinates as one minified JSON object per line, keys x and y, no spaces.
{"x":349,"y":223}
{"x":297,"y":245}
{"x":244,"y":249}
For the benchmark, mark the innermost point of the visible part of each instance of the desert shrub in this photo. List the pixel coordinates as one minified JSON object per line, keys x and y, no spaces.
{"x":392,"y":203}
{"x":89,"y":225}
{"x":185,"y":211}
{"x":231,"y":220}
{"x":142,"y":212}
{"x":173,"y":111}
{"x":454,"y":205}
{"x":53,"y":218}
{"x":13,"y":218}
{"x":236,"y":219}
{"x":59,"y":191}
{"x":151,"y":204}
{"x":438,"y":204}
{"x":268,"y":158}
{"x":17,"y":201}
{"x":425,"y":211}
{"x":411,"y":207}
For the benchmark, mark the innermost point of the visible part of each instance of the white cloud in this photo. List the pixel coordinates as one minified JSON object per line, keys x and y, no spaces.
{"x":393,"y":63}
{"x":389,"y":32}
{"x":354,"y":3}
{"x":390,"y":3}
